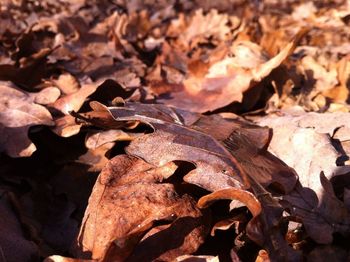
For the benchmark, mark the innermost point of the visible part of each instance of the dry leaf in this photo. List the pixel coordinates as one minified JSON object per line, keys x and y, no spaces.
{"x":96,"y":158}
{"x":309,"y":135}
{"x":128,"y":196}
{"x":19,"y":111}
{"x":189,"y":258}
{"x":66,"y":126}
{"x":67,"y":83}
{"x":99,"y":144}
{"x":74,"y":101}
{"x":265,"y":226}
{"x":223,"y":83}
{"x":57,"y":258}
{"x":97,"y":139}
{"x":201,"y":56}
{"x":181,"y":135}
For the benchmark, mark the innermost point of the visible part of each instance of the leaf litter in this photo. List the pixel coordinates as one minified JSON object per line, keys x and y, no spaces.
{"x":131,"y":130}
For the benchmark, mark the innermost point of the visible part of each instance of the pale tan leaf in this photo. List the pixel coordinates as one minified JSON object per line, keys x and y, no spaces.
{"x":18,"y":112}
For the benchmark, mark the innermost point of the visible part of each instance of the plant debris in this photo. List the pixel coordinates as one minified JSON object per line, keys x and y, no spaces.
{"x":174,"y":130}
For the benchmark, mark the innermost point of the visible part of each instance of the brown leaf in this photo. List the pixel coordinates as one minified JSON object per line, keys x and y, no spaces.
{"x":67,"y":83}
{"x":201,"y":27}
{"x":245,"y":197}
{"x":56,"y":258}
{"x":225,"y":158}
{"x":320,"y":216}
{"x":265,"y":226}
{"x":325,"y":79}
{"x":74,"y":101}
{"x":99,"y":144}
{"x":189,"y":258}
{"x":223,"y":83}
{"x":182,"y":135}
{"x":50,"y":219}
{"x":19,"y":111}
{"x":66,"y":126}
{"x":31,"y":73}
{"x":313,"y":200}
{"x":96,"y":157}
{"x":97,"y":139}
{"x":128,"y":196}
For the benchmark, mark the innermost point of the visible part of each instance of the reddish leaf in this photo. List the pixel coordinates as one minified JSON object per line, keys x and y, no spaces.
{"x":223,"y":83}
{"x":265,"y":227}
{"x":224,"y":158}
{"x":128,"y":197}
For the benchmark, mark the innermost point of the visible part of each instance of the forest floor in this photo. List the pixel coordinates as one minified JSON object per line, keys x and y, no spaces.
{"x":174,"y":130}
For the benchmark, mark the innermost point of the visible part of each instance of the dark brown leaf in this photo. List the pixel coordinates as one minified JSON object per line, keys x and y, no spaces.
{"x":182,"y":135}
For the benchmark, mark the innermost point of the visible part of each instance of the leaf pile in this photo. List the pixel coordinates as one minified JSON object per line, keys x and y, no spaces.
{"x":174,"y":130}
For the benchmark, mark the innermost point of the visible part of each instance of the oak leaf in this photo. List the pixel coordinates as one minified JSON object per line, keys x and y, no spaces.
{"x":126,"y":200}
{"x":20,"y":110}
{"x":223,"y":82}
{"x":228,"y":155}
{"x":313,"y":199}
{"x":187,"y":136}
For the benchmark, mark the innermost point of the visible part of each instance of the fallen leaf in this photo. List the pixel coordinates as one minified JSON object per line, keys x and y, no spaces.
{"x":67,"y":83}
{"x":66,"y":126}
{"x":99,"y":144}
{"x":325,"y":79}
{"x":201,"y":27}
{"x":195,"y":138}
{"x":50,"y":219}
{"x":223,"y":83}
{"x":198,"y":55}
{"x":31,"y":73}
{"x":19,"y":111}
{"x":74,"y":101}
{"x":56,"y":258}
{"x":186,"y":136}
{"x":128,"y":195}
{"x":313,"y":200}
{"x":97,"y":139}
{"x":189,"y":258}
{"x":265,"y":226}
{"x":96,"y":158}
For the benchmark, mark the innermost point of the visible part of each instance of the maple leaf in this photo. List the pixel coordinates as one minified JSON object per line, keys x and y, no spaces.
{"x":19,"y":111}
